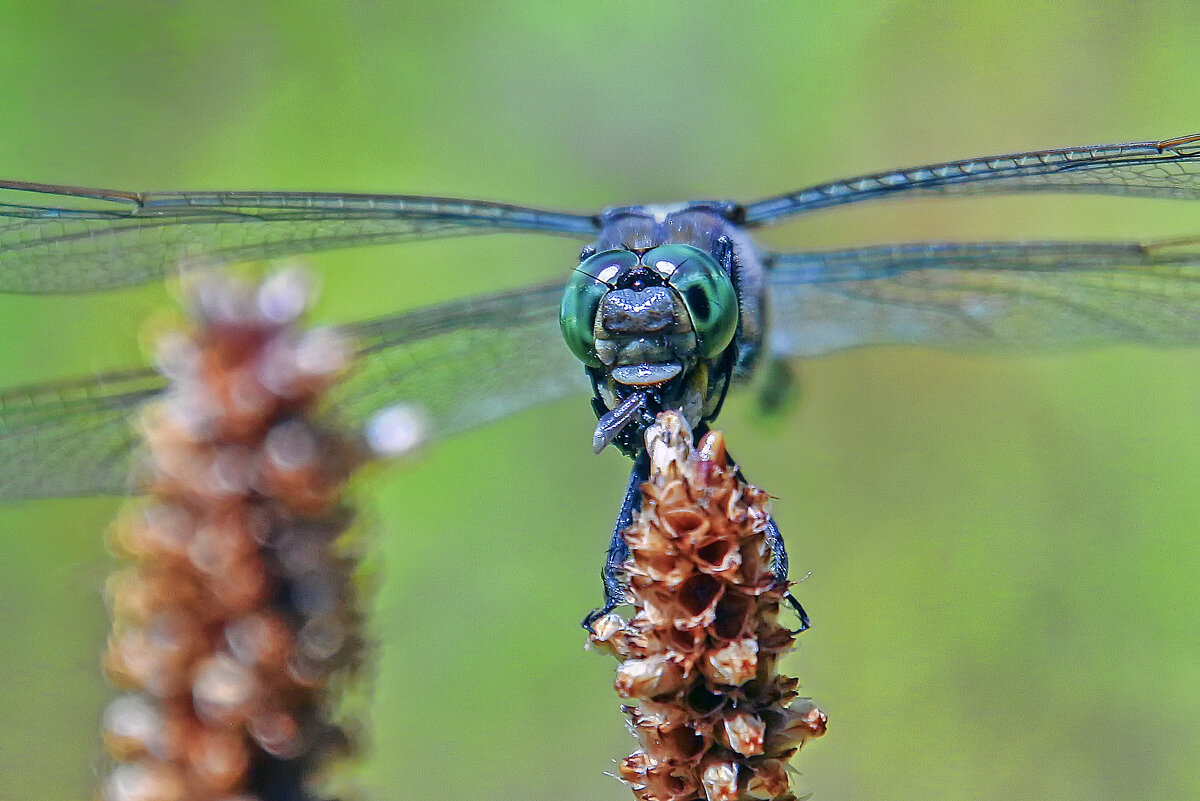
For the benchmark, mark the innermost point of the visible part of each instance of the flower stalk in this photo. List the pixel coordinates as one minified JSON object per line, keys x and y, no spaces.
{"x":714,"y":718}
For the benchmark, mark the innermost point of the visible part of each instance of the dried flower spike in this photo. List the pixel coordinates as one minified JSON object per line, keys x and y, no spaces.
{"x":238,"y":612}
{"x":714,"y":718}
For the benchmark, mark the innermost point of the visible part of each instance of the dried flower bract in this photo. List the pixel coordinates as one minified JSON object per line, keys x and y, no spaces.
{"x":714,"y":718}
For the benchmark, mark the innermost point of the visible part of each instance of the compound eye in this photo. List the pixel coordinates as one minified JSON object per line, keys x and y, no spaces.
{"x":707,"y":292}
{"x":587,"y":286}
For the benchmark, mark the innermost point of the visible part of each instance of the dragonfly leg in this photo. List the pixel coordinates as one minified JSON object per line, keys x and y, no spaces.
{"x":618,"y":550}
{"x":779,"y":566}
{"x":779,"y":560}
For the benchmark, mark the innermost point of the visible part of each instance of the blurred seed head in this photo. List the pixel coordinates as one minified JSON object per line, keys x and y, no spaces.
{"x":238,"y":613}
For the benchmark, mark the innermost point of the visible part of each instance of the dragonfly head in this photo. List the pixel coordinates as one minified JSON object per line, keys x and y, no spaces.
{"x":654,"y":321}
{"x":647,"y":315}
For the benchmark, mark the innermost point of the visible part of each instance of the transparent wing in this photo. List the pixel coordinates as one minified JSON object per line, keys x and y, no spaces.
{"x":1170,"y":168}
{"x":465,"y":363}
{"x":461,"y":364}
{"x":71,"y":239}
{"x":1022,"y":295}
{"x":71,"y":438}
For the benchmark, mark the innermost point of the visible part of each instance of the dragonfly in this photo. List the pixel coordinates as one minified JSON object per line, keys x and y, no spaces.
{"x":667,"y":307}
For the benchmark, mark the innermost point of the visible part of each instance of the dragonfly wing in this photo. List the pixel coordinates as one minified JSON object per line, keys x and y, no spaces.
{"x":464,"y":364}
{"x":1032,"y":295}
{"x":1170,"y":168}
{"x":71,"y":438}
{"x":69,"y":239}
{"x":460,"y":365}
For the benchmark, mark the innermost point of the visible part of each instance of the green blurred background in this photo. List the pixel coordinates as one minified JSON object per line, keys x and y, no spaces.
{"x":1003,"y":550}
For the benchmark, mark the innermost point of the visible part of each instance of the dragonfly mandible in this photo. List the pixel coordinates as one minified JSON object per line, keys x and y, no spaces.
{"x":669,"y":304}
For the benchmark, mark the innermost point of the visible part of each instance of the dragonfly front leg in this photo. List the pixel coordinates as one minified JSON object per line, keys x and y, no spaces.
{"x":618,"y":549}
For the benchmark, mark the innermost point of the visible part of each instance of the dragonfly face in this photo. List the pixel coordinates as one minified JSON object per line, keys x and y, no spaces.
{"x":655,"y":326}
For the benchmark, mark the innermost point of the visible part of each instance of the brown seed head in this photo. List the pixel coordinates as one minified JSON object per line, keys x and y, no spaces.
{"x":714,"y":718}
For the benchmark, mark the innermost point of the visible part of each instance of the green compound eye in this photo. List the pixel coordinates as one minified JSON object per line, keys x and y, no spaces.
{"x":706,"y":291}
{"x":581,"y":301}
